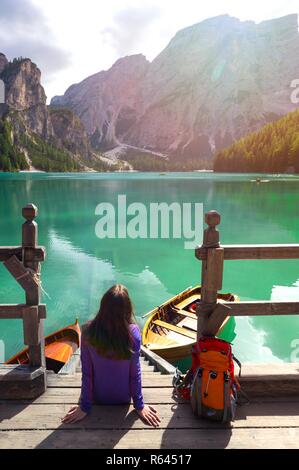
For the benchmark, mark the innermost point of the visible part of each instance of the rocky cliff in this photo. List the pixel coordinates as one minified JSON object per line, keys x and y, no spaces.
{"x":109,"y":103}
{"x":26,"y":96}
{"x":215,"y":82}
{"x":47,"y":138}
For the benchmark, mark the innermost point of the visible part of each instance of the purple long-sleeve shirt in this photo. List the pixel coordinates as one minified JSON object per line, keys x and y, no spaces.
{"x":110,"y":381}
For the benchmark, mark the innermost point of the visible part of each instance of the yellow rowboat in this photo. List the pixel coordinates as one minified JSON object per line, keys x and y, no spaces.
{"x":171,"y":329}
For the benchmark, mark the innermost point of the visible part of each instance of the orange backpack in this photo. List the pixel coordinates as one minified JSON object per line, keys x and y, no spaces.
{"x":210,"y":384}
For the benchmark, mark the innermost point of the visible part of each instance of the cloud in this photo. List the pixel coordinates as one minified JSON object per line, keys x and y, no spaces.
{"x":24,"y":31}
{"x":129,"y":28}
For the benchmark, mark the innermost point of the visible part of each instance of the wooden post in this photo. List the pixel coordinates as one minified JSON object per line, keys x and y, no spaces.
{"x":212,"y":272}
{"x":33,"y":325}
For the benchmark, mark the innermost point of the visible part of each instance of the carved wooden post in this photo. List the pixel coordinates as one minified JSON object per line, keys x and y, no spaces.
{"x":33,"y":325}
{"x":212,"y":273}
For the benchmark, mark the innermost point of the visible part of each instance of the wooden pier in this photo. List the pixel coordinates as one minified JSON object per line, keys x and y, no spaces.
{"x":267,"y":422}
{"x":32,"y":402}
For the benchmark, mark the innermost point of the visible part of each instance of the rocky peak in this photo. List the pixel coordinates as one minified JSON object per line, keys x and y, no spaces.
{"x":215,"y":82}
{"x":108,"y":102}
{"x":23,"y":85}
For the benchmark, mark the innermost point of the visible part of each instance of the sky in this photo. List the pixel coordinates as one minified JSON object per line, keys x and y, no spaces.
{"x":72,"y":39}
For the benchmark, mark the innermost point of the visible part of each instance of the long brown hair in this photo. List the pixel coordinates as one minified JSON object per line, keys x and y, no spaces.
{"x":109,"y":333}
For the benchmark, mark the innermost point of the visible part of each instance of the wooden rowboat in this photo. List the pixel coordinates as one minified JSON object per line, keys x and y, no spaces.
{"x":59,"y":348}
{"x":171,"y":329}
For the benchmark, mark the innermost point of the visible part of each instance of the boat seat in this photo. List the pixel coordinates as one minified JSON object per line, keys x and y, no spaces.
{"x":190,"y":324}
{"x":189,"y":300}
{"x":186,"y":314}
{"x":154,"y":338}
{"x":177,"y":329}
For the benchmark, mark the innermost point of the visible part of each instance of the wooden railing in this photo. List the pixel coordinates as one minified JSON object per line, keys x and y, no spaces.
{"x":23,"y":263}
{"x":211,"y":314}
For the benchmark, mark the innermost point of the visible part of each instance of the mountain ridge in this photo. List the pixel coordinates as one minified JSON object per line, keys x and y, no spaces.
{"x":214,"y":82}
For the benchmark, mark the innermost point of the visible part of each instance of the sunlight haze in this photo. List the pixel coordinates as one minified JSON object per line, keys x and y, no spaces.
{"x":72,"y":40}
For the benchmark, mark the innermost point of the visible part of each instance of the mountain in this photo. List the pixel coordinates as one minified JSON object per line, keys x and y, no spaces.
{"x":215,"y":82}
{"x":32,"y":136}
{"x":273,"y":149}
{"x":109,"y":102}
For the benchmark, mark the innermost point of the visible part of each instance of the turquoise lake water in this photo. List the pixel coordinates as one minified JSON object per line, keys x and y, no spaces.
{"x":80,"y":267}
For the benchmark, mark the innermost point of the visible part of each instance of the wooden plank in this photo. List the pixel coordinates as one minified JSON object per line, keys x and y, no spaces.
{"x":20,"y":273}
{"x":184,"y":313}
{"x":71,"y":396}
{"x":152,"y":380}
{"x":266,"y":381}
{"x":190,"y":324}
{"x":38,"y":254}
{"x":73,"y":365}
{"x":214,"y":322}
{"x":181,"y":331}
{"x":214,"y":273}
{"x":29,"y":243}
{"x":20,"y":382}
{"x":160,"y":364}
{"x":237,"y":252}
{"x":31,"y":326}
{"x":15,"y":311}
{"x":176,"y":439}
{"x":262,"y":308}
{"x":18,"y":373}
{"x":146,"y":368}
{"x":274,"y":371}
{"x":151,"y":395}
{"x":256,"y":415}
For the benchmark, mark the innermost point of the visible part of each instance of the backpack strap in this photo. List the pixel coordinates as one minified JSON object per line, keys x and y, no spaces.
{"x":196,"y":393}
{"x":182,"y":384}
{"x":239,"y":364}
{"x":227,"y":404}
{"x":244,"y":395}
{"x":177,"y":378}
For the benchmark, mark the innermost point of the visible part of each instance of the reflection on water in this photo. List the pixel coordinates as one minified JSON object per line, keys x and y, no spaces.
{"x":80,"y":267}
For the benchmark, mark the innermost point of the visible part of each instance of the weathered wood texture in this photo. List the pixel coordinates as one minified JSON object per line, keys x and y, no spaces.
{"x":20,"y":382}
{"x":158,"y":362}
{"x":211,"y":273}
{"x":37,"y":254}
{"x":48,"y":416}
{"x":260,"y":308}
{"x":149,"y":380}
{"x":35,"y":340}
{"x":210,"y":315}
{"x":262,"y":424}
{"x":20,"y":274}
{"x":23,"y":263}
{"x":249,"y":438}
{"x":234,"y":252}
{"x":16,"y":312}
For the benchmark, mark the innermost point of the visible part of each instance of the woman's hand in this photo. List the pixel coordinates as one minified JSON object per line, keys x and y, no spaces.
{"x":149,"y":415}
{"x":74,"y":415}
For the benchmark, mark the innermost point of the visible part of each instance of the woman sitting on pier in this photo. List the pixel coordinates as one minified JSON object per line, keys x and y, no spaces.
{"x":110,"y":357}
